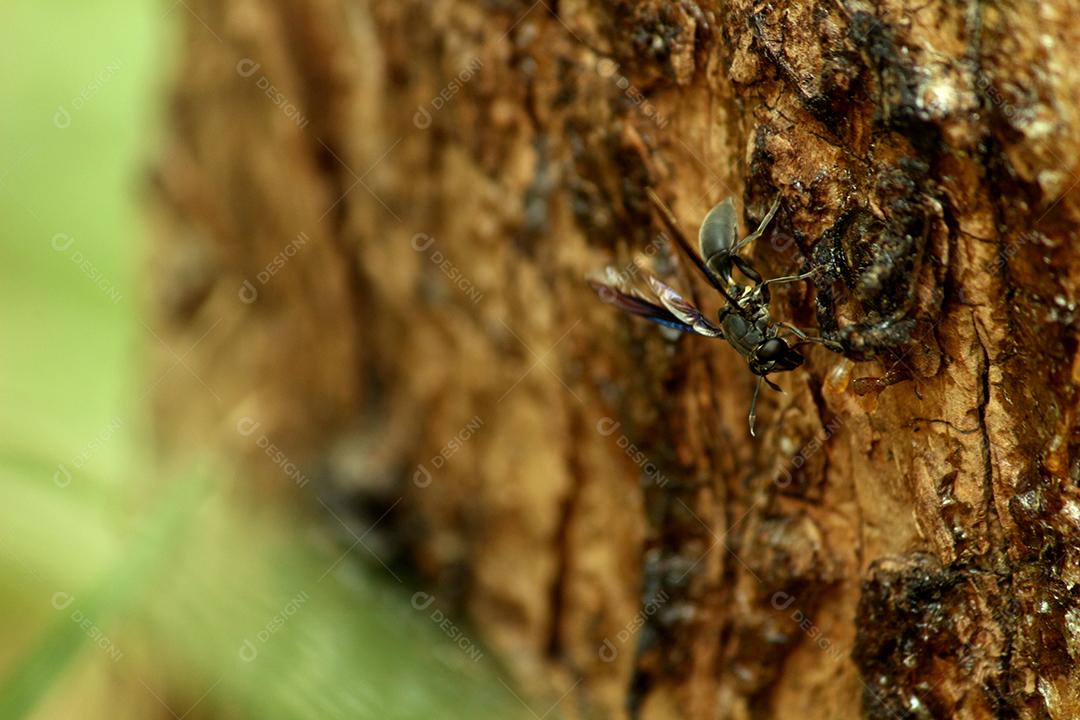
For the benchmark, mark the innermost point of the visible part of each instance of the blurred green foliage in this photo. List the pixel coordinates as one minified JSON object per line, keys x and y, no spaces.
{"x":124,"y":593}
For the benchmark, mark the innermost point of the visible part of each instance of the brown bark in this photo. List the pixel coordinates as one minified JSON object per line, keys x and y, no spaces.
{"x":907,"y":552}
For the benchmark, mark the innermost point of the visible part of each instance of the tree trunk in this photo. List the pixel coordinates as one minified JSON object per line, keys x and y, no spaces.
{"x":379,"y":217}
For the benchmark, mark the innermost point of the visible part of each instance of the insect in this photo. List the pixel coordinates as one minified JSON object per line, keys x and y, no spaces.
{"x":744,"y":321}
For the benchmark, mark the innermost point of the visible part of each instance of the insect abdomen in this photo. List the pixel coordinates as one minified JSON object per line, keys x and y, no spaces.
{"x":743,"y":336}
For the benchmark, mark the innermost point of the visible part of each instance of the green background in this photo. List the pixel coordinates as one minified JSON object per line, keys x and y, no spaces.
{"x":166,"y":572}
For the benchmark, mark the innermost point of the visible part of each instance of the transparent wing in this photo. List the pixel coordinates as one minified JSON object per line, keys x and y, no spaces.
{"x":683,"y":309}
{"x":614,"y":290}
{"x":636,"y":306}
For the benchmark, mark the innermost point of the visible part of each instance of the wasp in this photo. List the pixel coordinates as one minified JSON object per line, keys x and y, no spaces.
{"x":745,"y":321}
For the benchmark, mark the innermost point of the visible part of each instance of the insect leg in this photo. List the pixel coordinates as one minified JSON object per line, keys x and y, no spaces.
{"x":830,"y":344}
{"x":760,"y":228}
{"x":747,"y":269}
{"x":788,"y":278}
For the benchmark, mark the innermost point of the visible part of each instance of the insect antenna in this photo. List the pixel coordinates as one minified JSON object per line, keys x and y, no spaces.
{"x":753,"y":406}
{"x":753,"y":403}
{"x":680,"y":239}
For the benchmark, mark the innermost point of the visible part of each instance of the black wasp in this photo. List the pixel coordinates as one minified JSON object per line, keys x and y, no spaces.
{"x":744,"y":321}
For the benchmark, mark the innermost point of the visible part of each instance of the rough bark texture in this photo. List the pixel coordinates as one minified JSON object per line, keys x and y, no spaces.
{"x":900,"y":541}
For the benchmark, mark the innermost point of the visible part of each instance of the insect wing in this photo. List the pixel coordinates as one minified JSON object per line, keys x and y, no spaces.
{"x":628,"y":300}
{"x":719,"y":230}
{"x":683,"y":309}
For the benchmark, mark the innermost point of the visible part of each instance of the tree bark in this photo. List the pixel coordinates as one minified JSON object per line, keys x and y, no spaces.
{"x":899,"y":541}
